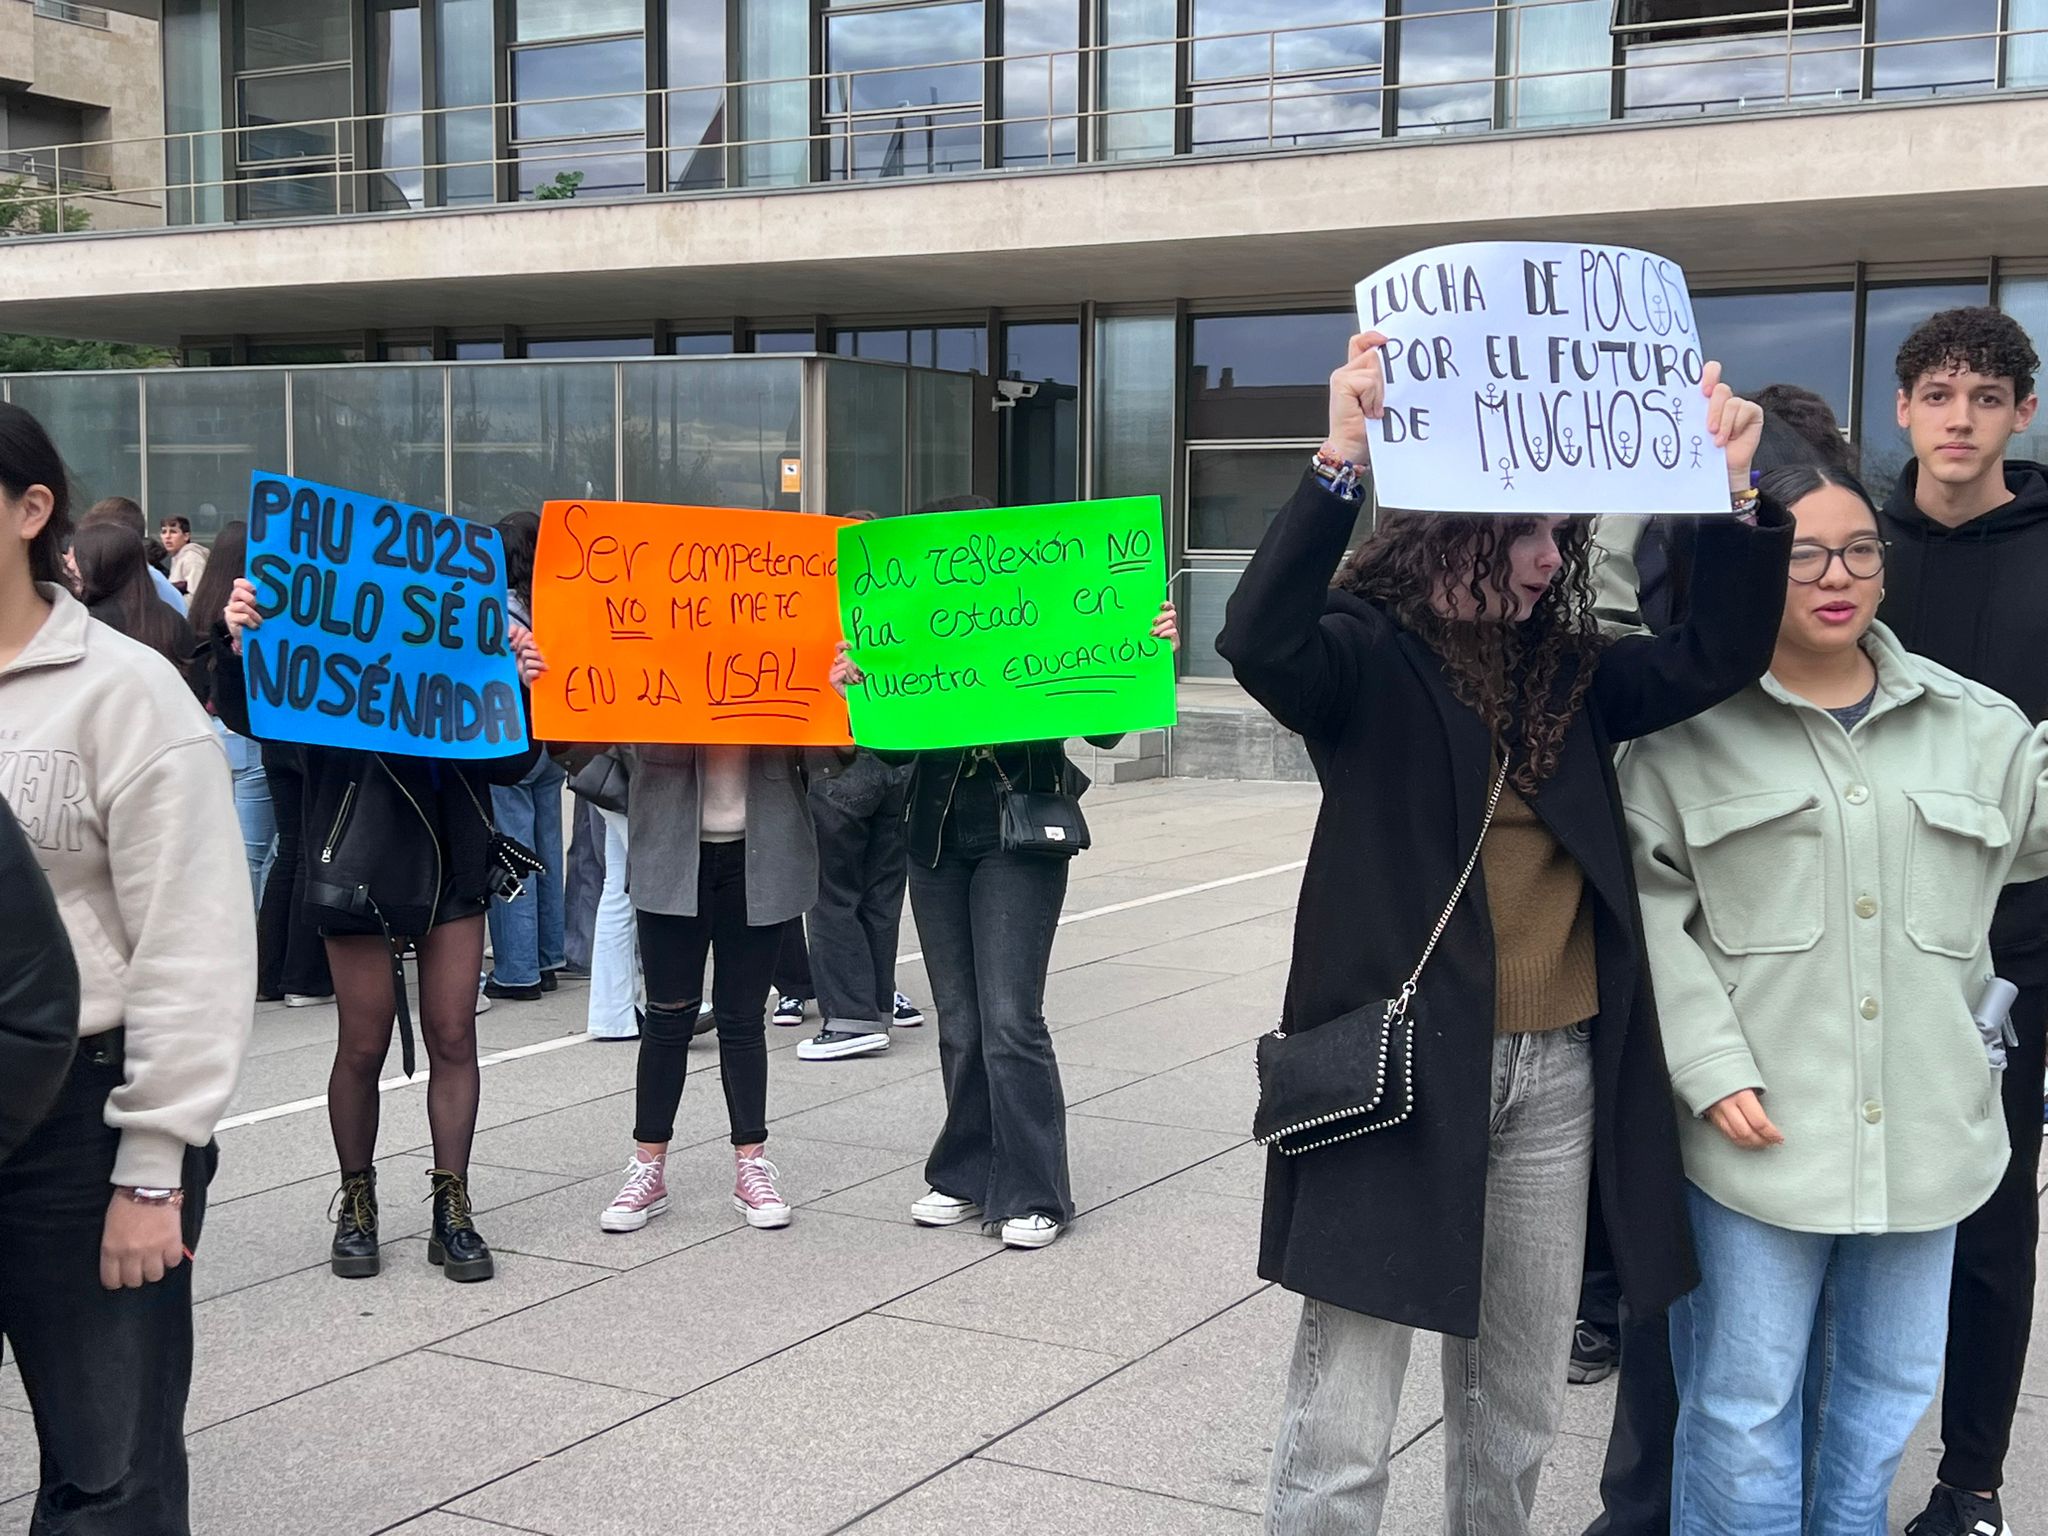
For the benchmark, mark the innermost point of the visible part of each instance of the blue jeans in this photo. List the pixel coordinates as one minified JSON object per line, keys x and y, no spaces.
{"x":1804,"y":1360}
{"x":252,"y":805}
{"x":527,"y":935}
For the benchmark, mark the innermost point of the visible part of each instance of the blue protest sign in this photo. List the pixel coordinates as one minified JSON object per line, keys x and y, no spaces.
{"x":384,"y":626}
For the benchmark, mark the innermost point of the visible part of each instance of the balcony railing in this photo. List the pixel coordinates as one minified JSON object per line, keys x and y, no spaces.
{"x":1229,"y":93}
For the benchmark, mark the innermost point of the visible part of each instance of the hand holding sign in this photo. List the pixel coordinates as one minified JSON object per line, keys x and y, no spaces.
{"x":1539,"y":379}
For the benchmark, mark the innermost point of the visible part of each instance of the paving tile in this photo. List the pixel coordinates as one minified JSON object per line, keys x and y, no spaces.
{"x":900,"y":1117}
{"x":1215,"y":1093}
{"x":871,"y":1407}
{"x":316,"y":1329}
{"x":562,"y":1224}
{"x":1108,"y":1159}
{"x":278,"y":1231}
{"x":723,"y":1304}
{"x":441,"y":1523}
{"x":1240,"y":946}
{"x":1157,"y":1037}
{"x":1085,"y":992}
{"x":20,"y":1467}
{"x":1124,"y":1281}
{"x":980,"y":1495}
{"x":360,"y":1454}
{"x":1241,"y":1173}
{"x":594,"y":1137}
{"x":298,"y":1146}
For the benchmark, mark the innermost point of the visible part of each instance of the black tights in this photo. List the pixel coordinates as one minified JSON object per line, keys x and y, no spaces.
{"x":450,"y":959}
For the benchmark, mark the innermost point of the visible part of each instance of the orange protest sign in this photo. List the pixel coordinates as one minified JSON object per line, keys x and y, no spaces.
{"x":686,"y":624}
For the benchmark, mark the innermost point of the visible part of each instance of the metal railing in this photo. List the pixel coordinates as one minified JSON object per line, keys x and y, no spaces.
{"x":1321,"y":85}
{"x":77,"y":15}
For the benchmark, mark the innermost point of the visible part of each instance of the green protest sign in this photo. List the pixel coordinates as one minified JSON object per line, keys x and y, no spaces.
{"x":1020,"y":624}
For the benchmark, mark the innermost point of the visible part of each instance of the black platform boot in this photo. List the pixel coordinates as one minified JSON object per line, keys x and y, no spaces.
{"x":456,"y":1245}
{"x":354,"y":1256}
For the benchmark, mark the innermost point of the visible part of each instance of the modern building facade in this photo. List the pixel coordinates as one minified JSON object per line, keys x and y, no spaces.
{"x":1136,"y":223}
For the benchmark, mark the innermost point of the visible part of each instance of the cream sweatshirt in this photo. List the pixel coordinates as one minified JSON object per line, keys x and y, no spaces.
{"x":115,"y":774}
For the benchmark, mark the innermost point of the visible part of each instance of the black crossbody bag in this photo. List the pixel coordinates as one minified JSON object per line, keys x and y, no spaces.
{"x":1355,"y":1074}
{"x":1038,"y":821}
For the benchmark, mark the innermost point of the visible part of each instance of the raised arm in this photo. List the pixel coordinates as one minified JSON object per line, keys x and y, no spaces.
{"x":1281,"y":645}
{"x":1737,"y":598}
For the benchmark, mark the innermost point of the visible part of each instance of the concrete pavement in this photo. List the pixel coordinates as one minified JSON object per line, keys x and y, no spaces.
{"x":852,"y":1373}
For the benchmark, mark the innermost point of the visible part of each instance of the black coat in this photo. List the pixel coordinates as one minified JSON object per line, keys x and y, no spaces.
{"x":38,"y":990}
{"x":1392,"y":1224}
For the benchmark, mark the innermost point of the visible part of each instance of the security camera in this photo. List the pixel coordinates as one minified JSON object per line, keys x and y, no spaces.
{"x":1010,"y":391}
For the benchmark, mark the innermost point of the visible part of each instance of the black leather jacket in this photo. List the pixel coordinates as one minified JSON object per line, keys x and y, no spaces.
{"x":951,"y":791}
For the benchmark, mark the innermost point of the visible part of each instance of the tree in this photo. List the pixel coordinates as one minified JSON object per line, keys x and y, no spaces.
{"x":27,"y":208}
{"x":54,"y":354}
{"x":560,"y":189}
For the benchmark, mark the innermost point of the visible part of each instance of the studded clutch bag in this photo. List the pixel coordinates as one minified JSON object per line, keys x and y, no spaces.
{"x":1354,"y":1074}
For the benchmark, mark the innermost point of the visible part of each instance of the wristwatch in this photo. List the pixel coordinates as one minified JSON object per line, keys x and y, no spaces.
{"x":142,"y":1195}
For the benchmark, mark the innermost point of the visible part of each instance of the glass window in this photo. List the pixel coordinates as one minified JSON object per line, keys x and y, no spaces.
{"x":1041,"y":456}
{"x":783,"y":341}
{"x":892,"y":74}
{"x":372,"y":429}
{"x":696,"y":118}
{"x":877,"y":345}
{"x":292,"y":116}
{"x":288,"y":34}
{"x":1889,"y":316}
{"x":1741,"y":74}
{"x":956,"y":348}
{"x":1202,"y":597}
{"x":95,"y":422}
{"x":567,"y":169}
{"x":1300,"y":114}
{"x":284,"y":354}
{"x":712,"y":434}
{"x":474,"y":351}
{"x":535,"y":21}
{"x":591,"y":346}
{"x":1803,"y":337}
{"x":865,"y":422}
{"x":194,"y":161}
{"x":1446,"y":68}
{"x":1561,"y":55}
{"x":700,"y":343}
{"x":207,"y":431}
{"x":404,"y":352}
{"x":397,"y":86}
{"x":2026,"y":50}
{"x":465,"y":56}
{"x":775,"y":115}
{"x":1133,"y":403}
{"x":2026,"y":300}
{"x":1268,"y":56}
{"x":1300,"y":36}
{"x":1254,"y":376}
{"x":1041,"y":81}
{"x":1935,"y":68}
{"x":1233,"y":493}
{"x":941,"y":437}
{"x":1138,"y":83}
{"x":610,"y":76}
{"x":527,"y":433}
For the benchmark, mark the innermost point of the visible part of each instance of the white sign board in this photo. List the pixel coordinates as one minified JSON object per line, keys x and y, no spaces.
{"x":1540,"y":378}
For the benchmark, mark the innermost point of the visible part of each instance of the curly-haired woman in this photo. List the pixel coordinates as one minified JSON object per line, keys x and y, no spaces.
{"x":1448,"y":648}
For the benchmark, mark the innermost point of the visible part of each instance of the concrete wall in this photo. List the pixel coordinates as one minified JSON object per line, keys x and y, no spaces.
{"x":111,"y":73}
{"x":1733,"y":197}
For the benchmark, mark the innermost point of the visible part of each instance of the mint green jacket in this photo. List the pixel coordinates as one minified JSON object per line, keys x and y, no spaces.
{"x":1816,"y":904}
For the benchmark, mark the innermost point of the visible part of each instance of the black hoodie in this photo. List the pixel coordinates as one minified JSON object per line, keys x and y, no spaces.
{"x":1970,"y":598}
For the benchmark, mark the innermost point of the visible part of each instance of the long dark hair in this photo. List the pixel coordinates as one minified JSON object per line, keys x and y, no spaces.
{"x":1793,"y":483}
{"x":1508,"y":674}
{"x":520,"y":532}
{"x":113,"y":582}
{"x":228,"y":559}
{"x":28,"y":457}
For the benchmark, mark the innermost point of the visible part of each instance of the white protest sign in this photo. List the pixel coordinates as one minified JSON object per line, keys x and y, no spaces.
{"x":1540,"y":378}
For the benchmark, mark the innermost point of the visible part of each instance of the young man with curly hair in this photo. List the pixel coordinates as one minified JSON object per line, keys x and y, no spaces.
{"x":1968,"y":530}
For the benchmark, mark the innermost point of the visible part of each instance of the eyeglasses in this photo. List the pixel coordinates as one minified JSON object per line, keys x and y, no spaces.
{"x":1861,"y":558}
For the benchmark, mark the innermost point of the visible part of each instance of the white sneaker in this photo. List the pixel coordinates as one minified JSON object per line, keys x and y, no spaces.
{"x":936,"y":1210}
{"x":831,"y":1044}
{"x":1030,"y":1231}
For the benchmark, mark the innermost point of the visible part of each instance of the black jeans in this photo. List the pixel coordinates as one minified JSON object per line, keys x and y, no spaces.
{"x":987,"y":925}
{"x":583,"y":883}
{"x":106,"y":1372}
{"x":791,"y":974}
{"x":672,"y":953}
{"x":1991,"y":1294}
{"x":1635,"y":1483}
{"x":290,"y":956}
{"x":862,"y":869}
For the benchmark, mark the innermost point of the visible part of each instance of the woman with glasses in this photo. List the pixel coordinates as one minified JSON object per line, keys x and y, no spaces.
{"x":1818,"y":858}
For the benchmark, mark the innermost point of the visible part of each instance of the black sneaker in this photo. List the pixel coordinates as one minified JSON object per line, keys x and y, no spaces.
{"x":1952,"y":1512}
{"x":1594,"y":1355}
{"x":788,"y":1010}
{"x":498,"y":991}
{"x":908,"y":1014}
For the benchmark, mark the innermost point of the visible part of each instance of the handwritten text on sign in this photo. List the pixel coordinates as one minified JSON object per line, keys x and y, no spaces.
{"x":1024,"y":624}
{"x":1539,"y":379}
{"x":384,"y":626}
{"x":686,"y":624}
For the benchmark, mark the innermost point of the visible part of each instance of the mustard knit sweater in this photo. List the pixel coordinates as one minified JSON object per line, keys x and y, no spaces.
{"x":1545,"y":975}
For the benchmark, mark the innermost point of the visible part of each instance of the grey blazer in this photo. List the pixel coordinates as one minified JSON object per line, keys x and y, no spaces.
{"x":663,"y":842}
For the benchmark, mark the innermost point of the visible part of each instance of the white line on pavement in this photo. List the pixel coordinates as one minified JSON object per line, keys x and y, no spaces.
{"x":542,"y":1047}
